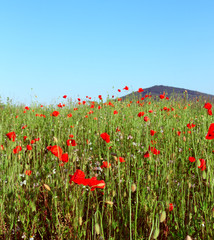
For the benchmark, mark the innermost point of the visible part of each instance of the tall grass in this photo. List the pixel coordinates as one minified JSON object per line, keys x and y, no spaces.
{"x":135,"y":203}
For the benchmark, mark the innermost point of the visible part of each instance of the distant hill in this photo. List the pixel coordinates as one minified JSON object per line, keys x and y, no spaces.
{"x":156,"y":90}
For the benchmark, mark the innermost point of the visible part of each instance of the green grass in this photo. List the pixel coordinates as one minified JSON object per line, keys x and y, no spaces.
{"x":136,"y":191}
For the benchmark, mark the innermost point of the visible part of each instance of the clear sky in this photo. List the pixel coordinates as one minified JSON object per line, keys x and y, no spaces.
{"x":49,"y":48}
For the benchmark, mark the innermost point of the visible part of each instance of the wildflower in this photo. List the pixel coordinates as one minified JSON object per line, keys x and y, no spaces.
{"x":210,"y":134}
{"x":11,"y":136}
{"x":28,"y":172}
{"x":65,"y":96}
{"x":170,"y":207}
{"x":64,"y":157}
{"x":121,"y":159}
{"x":29,"y":147}
{"x":55,"y":113}
{"x":71,"y":142}
{"x":152,"y":132}
{"x":126,"y":88}
{"x":146,"y":119}
{"x":140,"y":90}
{"x":140,"y":114}
{"x":191,"y":159}
{"x":105,"y":137}
{"x":106,"y":165}
{"x":203,"y":165}
{"x":17,"y":149}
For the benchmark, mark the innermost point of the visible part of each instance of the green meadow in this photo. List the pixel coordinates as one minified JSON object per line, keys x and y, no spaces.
{"x":155,"y":184}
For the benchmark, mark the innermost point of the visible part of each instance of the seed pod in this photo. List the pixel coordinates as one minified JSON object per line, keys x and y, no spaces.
{"x":156,"y":233}
{"x":47,"y":187}
{"x":97,"y":228}
{"x":133,"y":187}
{"x":162,"y":216}
{"x":80,"y":221}
{"x":188,"y":238}
{"x":109,"y":202}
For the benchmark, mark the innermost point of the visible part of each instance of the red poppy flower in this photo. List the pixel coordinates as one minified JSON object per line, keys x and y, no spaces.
{"x":65,"y":96}
{"x":140,"y":114}
{"x":17,"y":149}
{"x":11,"y":136}
{"x":28,"y":172}
{"x":191,"y":159}
{"x":56,"y":151}
{"x":209,"y":111}
{"x":119,"y":90}
{"x":94,"y":183}
{"x":207,"y":106}
{"x":106,"y":165}
{"x":178,"y":133}
{"x":115,"y":112}
{"x":162,"y":96}
{"x":24,"y":126}
{"x":79,"y":178}
{"x":1,"y":147}
{"x":55,"y":113}
{"x":146,"y":155}
{"x":27,"y":108}
{"x":29,"y":147}
{"x":203,"y":165}
{"x":105,"y":137}
{"x":210,"y":134}
{"x":69,"y":115}
{"x":170,"y":207}
{"x":64,"y":157}
{"x":126,"y":88}
{"x":71,"y":142}
{"x":121,"y":159}
{"x":154,"y":150}
{"x":152,"y":132}
{"x":32,"y":141}
{"x":190,"y":125}
{"x":140,"y":90}
{"x":100,"y":97}
{"x":146,"y":119}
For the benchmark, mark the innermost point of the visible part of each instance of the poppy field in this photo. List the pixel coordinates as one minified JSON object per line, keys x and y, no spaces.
{"x":121,"y":169}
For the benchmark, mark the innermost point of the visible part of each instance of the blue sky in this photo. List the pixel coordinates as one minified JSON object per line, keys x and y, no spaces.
{"x":92,"y":47}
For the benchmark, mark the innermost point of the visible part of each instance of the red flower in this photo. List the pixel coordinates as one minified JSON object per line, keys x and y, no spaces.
{"x":28,"y":172}
{"x":55,"y":113}
{"x":126,"y":88}
{"x":119,"y":90}
{"x":11,"y":135}
{"x":146,"y":155}
{"x":203,"y":165}
{"x":191,"y":159}
{"x":209,"y":111}
{"x":140,"y":114}
{"x":71,"y":142}
{"x":32,"y":141}
{"x":94,"y":183}
{"x":178,"y":133}
{"x":1,"y":147}
{"x":208,"y":106}
{"x":24,"y":126}
{"x":115,"y":112}
{"x":146,"y":119}
{"x":27,"y":108}
{"x":64,"y":157}
{"x":105,"y":137}
{"x":190,"y":125}
{"x":162,"y":96}
{"x":65,"y":96}
{"x":210,"y":134}
{"x":17,"y":149}
{"x":29,"y":147}
{"x":106,"y":165}
{"x":140,"y":90}
{"x":56,"y":151}
{"x":154,"y":150}
{"x":69,"y":115}
{"x":121,"y":159}
{"x":170,"y":207}
{"x":152,"y":132}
